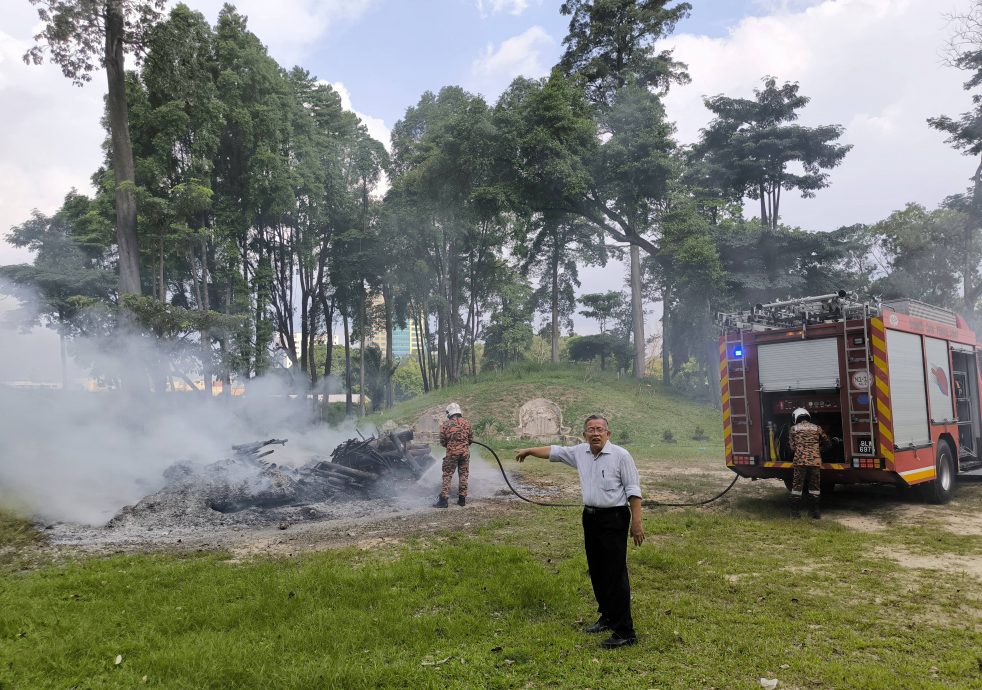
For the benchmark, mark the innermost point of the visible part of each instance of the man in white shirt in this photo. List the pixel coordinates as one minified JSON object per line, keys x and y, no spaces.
{"x":611,"y":504}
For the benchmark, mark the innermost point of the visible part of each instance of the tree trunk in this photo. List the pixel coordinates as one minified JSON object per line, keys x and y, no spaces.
{"x":329,"y":322}
{"x":63,"y":346}
{"x":666,"y":370}
{"x":361,"y":354}
{"x":122,"y":152}
{"x":348,"y":408}
{"x":389,"y":364}
{"x":555,"y":297}
{"x":763,"y":206}
{"x":421,"y":348}
{"x":638,"y":313}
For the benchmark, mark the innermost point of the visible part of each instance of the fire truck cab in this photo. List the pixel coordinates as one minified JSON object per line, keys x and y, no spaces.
{"x":894,"y":384}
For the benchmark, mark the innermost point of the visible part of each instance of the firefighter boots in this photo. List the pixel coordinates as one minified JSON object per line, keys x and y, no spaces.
{"x":795,"y":507}
{"x":461,"y":500}
{"x":815,"y":509}
{"x":441,"y":503}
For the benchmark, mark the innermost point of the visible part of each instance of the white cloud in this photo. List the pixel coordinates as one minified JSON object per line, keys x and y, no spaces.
{"x":50,"y":134}
{"x":872,"y":66}
{"x":375,"y":125}
{"x":521,"y":55}
{"x":288,"y":27}
{"x":489,"y":7}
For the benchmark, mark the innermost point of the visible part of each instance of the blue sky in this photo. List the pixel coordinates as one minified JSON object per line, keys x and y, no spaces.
{"x":396,"y":50}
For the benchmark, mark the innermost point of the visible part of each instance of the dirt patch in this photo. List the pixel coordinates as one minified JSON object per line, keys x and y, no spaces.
{"x":972,"y":565}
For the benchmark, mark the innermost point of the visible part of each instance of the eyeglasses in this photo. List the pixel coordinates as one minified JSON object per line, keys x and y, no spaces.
{"x":594,"y":430}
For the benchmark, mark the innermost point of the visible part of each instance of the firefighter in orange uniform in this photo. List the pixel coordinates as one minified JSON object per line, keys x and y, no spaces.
{"x":456,"y":435}
{"x":806,"y":440}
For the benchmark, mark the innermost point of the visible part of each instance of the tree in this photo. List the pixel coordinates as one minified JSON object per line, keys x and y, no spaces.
{"x":749,"y":146}
{"x":589,"y":347}
{"x":509,"y":335}
{"x":610,"y":47}
{"x":79,"y":34}
{"x":928,"y":255}
{"x":602,"y":306}
{"x":69,"y":270}
{"x":612,"y":41}
{"x":965,"y":134}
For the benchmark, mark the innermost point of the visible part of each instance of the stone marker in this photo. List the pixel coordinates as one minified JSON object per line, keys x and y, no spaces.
{"x":427,"y":427}
{"x":541,"y":418}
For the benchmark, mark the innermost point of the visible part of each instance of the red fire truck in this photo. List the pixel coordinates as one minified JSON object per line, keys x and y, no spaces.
{"x":894,"y":384}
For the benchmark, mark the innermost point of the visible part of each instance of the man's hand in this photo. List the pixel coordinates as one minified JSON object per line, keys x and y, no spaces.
{"x":637,"y":532}
{"x":522,"y":453}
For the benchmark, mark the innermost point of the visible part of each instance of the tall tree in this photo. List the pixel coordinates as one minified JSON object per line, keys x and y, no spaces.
{"x":751,"y":143}
{"x":79,"y":35}
{"x":611,"y":42}
{"x":965,"y":134}
{"x":610,"y":46}
{"x":70,"y":269}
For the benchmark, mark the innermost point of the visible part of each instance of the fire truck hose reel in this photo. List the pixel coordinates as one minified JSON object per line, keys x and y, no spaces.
{"x":648,"y":503}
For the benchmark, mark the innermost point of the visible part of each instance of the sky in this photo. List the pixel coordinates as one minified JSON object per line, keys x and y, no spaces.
{"x":874,"y":66}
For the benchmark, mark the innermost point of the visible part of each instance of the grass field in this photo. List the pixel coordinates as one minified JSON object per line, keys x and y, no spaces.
{"x":881,"y":594}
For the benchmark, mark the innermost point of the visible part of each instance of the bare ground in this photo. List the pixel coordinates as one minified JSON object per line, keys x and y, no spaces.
{"x":371,"y":524}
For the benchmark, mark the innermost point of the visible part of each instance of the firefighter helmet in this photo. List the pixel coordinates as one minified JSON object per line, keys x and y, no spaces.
{"x":452,"y":409}
{"x":799,"y":413}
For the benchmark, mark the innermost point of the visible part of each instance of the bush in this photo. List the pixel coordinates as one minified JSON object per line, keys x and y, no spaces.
{"x":692,"y":381}
{"x":489,"y":427}
{"x":623,"y":437}
{"x":699,"y":434}
{"x":667,"y":436}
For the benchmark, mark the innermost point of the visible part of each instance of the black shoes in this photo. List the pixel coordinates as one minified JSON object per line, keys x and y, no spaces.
{"x":615,"y":641}
{"x":598,"y":627}
{"x":441,"y":503}
{"x":461,"y":500}
{"x":815,"y":509}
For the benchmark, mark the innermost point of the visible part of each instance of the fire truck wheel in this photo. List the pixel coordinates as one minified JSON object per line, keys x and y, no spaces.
{"x":941,"y":489}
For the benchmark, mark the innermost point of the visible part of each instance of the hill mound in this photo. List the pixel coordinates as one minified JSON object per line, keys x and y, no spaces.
{"x":648,"y":417}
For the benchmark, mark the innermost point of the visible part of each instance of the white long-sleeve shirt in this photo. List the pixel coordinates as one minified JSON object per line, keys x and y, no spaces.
{"x":607,"y":480}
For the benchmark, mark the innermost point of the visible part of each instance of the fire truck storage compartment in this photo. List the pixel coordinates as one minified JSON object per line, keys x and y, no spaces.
{"x":907,"y":390}
{"x":825,"y":411}
{"x":785,"y":384}
{"x":965,"y":378}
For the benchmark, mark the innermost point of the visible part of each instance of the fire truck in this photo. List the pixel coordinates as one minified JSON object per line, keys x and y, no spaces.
{"x":895,"y":385}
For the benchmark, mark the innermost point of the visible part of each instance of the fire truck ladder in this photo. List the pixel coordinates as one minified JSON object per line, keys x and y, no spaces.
{"x":862,"y":418}
{"x":737,"y":374}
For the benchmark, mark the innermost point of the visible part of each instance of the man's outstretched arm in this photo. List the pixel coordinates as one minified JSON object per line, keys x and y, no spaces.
{"x":539,"y":452}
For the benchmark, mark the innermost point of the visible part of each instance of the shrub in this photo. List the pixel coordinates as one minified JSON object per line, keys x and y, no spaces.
{"x":667,"y":436}
{"x":699,"y":434}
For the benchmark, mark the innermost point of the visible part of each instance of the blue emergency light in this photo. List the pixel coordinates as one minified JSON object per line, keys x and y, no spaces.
{"x":738,"y":352}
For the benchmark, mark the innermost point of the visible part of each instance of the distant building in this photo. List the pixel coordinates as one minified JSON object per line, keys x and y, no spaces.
{"x":404,"y":340}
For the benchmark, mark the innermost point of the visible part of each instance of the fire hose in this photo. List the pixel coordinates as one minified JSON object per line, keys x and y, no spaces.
{"x":648,"y":503}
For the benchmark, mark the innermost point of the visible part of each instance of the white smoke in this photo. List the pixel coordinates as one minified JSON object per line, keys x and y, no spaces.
{"x":80,"y":456}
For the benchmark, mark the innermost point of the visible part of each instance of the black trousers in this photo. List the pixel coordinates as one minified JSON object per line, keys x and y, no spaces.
{"x":605,"y":536}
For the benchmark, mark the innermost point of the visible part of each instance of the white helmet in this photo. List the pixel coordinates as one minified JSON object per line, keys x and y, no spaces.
{"x":452,"y":409}
{"x":799,"y":413}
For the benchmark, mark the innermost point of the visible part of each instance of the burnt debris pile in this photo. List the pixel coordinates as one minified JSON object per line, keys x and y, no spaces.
{"x":248,"y":488}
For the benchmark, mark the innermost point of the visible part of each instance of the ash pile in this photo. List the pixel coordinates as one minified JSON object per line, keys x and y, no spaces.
{"x":249,"y":489}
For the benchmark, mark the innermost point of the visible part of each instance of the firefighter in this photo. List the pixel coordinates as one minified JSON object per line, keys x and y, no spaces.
{"x":806,"y":442}
{"x":456,"y":435}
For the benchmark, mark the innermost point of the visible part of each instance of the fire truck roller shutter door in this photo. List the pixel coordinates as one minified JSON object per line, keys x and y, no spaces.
{"x":780,"y":365}
{"x":907,"y":389}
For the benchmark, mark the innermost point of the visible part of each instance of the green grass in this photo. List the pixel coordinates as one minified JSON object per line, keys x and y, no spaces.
{"x":722,"y":597}
{"x":642,"y":410}
{"x":720,"y":600}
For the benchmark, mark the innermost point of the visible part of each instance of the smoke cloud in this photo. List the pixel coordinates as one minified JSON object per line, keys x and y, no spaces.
{"x":77,"y":455}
